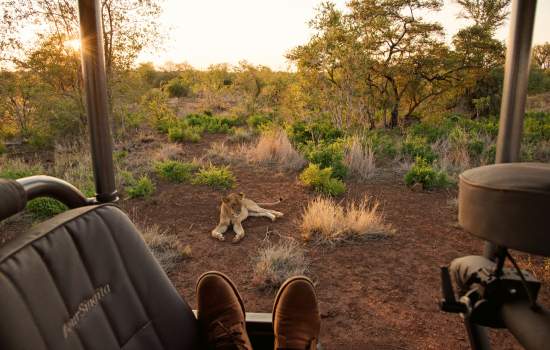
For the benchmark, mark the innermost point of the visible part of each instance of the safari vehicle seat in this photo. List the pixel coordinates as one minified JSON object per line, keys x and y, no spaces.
{"x":508,"y":205}
{"x":86,"y":280}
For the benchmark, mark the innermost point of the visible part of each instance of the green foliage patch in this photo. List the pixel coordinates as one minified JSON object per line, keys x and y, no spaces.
{"x":321,"y":180}
{"x":141,"y":188}
{"x":424,"y":173}
{"x":175,"y":171}
{"x":212,"y":124}
{"x":214,"y":176}
{"x":327,"y":155}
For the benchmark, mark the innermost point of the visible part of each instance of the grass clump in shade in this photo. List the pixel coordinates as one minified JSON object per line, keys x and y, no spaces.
{"x":276,"y":262}
{"x":321,"y":180}
{"x":175,"y":171}
{"x":424,"y":173}
{"x":166,"y":248}
{"x":214,"y":176}
{"x":142,"y":188}
{"x":327,"y":222}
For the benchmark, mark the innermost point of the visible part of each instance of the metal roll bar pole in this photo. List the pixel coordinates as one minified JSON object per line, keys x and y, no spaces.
{"x":514,"y":93}
{"x":95,"y":86}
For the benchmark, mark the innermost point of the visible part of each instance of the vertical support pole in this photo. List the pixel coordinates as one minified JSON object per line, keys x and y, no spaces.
{"x":95,"y":86}
{"x":516,"y":76}
{"x":514,"y":92}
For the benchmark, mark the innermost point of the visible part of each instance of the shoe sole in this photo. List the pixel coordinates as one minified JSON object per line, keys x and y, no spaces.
{"x":283,"y":287}
{"x":235,"y":290}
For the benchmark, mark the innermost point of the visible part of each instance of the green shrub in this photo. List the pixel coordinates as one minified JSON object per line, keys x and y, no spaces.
{"x":120,"y":155}
{"x":212,"y":124}
{"x":175,"y":171}
{"x":182,"y":133}
{"x":415,"y":146}
{"x":2,"y":148}
{"x":423,"y":172}
{"x":217,"y":177}
{"x":178,"y":88}
{"x":327,"y":156}
{"x":383,"y":145}
{"x":321,"y":180}
{"x":315,"y":131}
{"x":427,"y":130}
{"x":257,"y":120}
{"x":44,"y":208}
{"x":155,"y":104}
{"x":141,"y":188}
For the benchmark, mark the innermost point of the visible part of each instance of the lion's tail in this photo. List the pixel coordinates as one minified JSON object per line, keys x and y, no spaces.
{"x":270,"y":204}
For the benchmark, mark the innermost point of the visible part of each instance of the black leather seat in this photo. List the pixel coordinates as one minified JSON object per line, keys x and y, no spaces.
{"x":86,"y":280}
{"x":508,"y":204}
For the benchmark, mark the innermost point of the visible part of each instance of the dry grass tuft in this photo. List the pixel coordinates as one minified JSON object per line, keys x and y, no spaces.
{"x":166,"y":248}
{"x":169,"y":151}
{"x":326,"y":221}
{"x":360,"y":160}
{"x":275,"y":263}
{"x":274,"y":147}
{"x":220,"y":152}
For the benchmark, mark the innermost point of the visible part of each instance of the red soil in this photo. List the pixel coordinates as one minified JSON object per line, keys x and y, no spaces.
{"x":376,"y":295}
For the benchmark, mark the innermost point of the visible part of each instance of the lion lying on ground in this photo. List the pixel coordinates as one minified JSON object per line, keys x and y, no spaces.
{"x":235,"y":209}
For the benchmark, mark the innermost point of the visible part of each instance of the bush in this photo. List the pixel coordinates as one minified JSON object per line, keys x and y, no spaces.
{"x":321,"y":180}
{"x":178,"y":88}
{"x":327,"y":155}
{"x":217,"y":177}
{"x":155,"y":104}
{"x":44,"y":208}
{"x":275,"y":263}
{"x":3,"y":148}
{"x":275,"y":147}
{"x":175,"y":171}
{"x":182,"y":133}
{"x":423,"y":172}
{"x":315,"y":131}
{"x":257,"y":121}
{"x":383,"y":145}
{"x":415,"y":146}
{"x":212,"y":124}
{"x":326,"y":221}
{"x":141,"y":188}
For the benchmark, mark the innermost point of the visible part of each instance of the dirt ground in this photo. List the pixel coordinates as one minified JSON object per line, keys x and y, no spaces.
{"x":376,"y":295}
{"x":381,"y":294}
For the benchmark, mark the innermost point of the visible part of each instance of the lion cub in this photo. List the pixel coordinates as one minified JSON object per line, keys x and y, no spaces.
{"x":235,"y":208}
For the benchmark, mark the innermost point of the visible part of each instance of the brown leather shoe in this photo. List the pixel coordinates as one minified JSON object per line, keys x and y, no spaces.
{"x":221,"y":313}
{"x":296,"y":319}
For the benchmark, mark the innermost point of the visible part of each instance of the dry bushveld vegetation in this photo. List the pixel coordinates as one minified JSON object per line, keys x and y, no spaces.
{"x":166,"y":248}
{"x":360,"y":160}
{"x":168,"y":151}
{"x":274,"y":147}
{"x":326,"y":221}
{"x":276,"y":262}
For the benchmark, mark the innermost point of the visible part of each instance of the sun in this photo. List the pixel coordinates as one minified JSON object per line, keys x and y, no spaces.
{"x":73,"y":44}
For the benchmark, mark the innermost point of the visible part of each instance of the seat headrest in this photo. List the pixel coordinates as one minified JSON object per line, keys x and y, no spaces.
{"x":508,"y":204}
{"x":13,"y":198}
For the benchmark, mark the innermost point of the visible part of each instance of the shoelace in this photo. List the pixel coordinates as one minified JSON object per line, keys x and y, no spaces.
{"x":228,"y":337}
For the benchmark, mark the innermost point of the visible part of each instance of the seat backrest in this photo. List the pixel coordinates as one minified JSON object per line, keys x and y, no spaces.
{"x":86,"y":280}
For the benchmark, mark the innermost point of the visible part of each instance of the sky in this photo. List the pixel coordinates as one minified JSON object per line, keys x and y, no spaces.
{"x":204,"y":32}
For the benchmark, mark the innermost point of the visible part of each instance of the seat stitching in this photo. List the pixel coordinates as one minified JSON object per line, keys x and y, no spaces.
{"x":141,"y":328}
{"x":25,"y":301}
{"x":56,"y":287}
{"x":130,"y":278}
{"x":91,"y":282}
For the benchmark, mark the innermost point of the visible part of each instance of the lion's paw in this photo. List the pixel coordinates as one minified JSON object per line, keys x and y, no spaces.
{"x":218,"y":236}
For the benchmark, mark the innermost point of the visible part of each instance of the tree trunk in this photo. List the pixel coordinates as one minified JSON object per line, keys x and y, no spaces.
{"x":394,"y":121}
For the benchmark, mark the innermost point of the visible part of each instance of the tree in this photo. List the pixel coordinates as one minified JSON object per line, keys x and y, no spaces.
{"x":541,"y":55}
{"x":489,"y":14}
